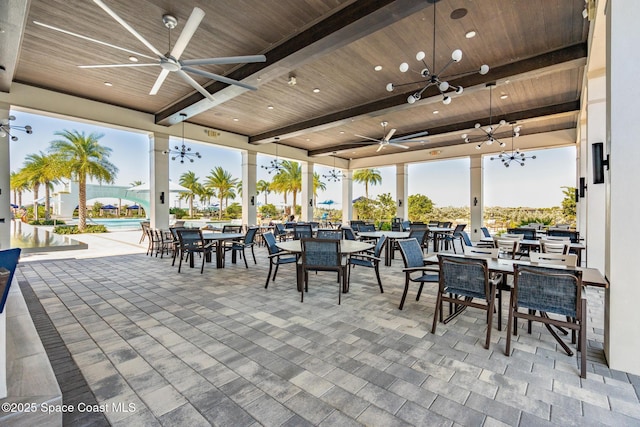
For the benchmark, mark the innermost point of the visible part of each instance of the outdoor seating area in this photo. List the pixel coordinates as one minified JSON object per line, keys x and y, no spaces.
{"x":317,"y":362}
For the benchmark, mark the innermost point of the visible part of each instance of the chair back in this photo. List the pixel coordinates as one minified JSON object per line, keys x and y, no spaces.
{"x":348,"y":233}
{"x":554,"y":246}
{"x":178,"y":223}
{"x":319,"y":253}
{"x":190,"y":238}
{"x":367,"y":228}
{"x":464,"y":276}
{"x":558,"y":238}
{"x":420,"y":234}
{"x":251,"y":235}
{"x":459,"y":228}
{"x":574,"y":236}
{"x":405,"y":225}
{"x":508,"y":247}
{"x":314,"y":224}
{"x":570,"y":260}
{"x":280,"y":230}
{"x":516,"y":236}
{"x":232,"y":228}
{"x":302,"y":231}
{"x":480,"y":252}
{"x":270,"y":240}
{"x":527,"y":233}
{"x":547,"y":289}
{"x":8,"y":261}
{"x":324,"y":233}
{"x":355,"y":224}
{"x":465,"y":239}
{"x":412,"y":254}
{"x":444,"y":224}
{"x":433,"y":223}
{"x":379,"y":246}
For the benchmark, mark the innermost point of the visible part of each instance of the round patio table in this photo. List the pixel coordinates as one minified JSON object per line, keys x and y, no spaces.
{"x":391,"y":235}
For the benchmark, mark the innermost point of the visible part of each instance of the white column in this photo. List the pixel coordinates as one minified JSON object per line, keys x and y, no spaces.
{"x":5,"y":189}
{"x":595,"y":202}
{"x":476,"y":201}
{"x":347,"y":196}
{"x":249,"y":193}
{"x":306,"y":198}
{"x":622,"y":317}
{"x":402,"y":186}
{"x":582,"y":171}
{"x":5,"y":230}
{"x":159,"y":180}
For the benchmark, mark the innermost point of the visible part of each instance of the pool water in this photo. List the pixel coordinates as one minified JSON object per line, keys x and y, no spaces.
{"x":114,"y":224}
{"x":35,"y":239}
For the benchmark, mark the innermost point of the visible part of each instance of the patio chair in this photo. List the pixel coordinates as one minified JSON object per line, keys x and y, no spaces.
{"x":369,"y":260}
{"x":324,"y":233}
{"x":191,"y":243}
{"x":144,"y":225}
{"x":546,"y":290}
{"x":232,"y":228}
{"x":322,"y":255}
{"x":348,"y":233}
{"x":280,"y":232}
{"x":574,"y":236}
{"x":569,"y":260}
{"x":554,"y":246}
{"x":485,"y":232}
{"x":277,"y":256}
{"x":8,"y":262}
{"x":247,"y":242}
{"x":412,"y":256}
{"x":155,"y":242}
{"x":508,"y":247}
{"x":451,"y":238}
{"x":464,"y":279}
{"x":175,"y":242}
{"x":302,"y":231}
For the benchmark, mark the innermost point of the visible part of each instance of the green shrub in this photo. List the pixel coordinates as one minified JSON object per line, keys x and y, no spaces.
{"x":47,"y":222}
{"x":73,"y":229}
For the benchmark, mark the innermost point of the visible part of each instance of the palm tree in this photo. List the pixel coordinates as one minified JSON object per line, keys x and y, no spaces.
{"x":41,"y":169}
{"x":81,"y":157}
{"x":224,"y":184}
{"x":289,"y":178}
{"x":317,"y":185}
{"x":18,"y":184}
{"x":189,"y":180}
{"x":136,"y":183}
{"x":366,"y":177}
{"x":263,"y":186}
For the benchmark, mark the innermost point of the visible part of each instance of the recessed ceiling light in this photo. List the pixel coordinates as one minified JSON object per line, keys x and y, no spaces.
{"x":341,"y":132}
{"x":436,"y":112}
{"x":133,"y":58}
{"x":270,"y":107}
{"x":235,"y":119}
{"x":470,"y":34}
{"x":307,"y":140}
{"x":316,"y":90}
{"x":378,"y":67}
{"x":108,"y":84}
{"x":504,"y":96}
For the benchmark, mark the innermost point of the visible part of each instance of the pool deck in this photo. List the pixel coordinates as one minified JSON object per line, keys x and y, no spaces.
{"x":220,"y":349}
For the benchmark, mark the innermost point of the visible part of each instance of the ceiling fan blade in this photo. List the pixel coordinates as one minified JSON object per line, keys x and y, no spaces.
{"x":156,"y":86}
{"x":366,"y":137}
{"x":389,"y":135}
{"x":219,"y":78}
{"x":415,"y":135}
{"x":380,"y":147}
{"x":398,"y":145}
{"x":117,"y":65}
{"x":186,"y":77}
{"x":226,"y":60}
{"x":187,"y":32}
{"x":80,"y":36}
{"x":128,"y":27}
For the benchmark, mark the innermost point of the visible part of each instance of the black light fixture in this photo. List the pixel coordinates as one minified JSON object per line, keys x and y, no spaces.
{"x":183,"y":151}
{"x":583,"y":186}
{"x":334,"y":174}
{"x":274,"y":166}
{"x":431,"y":77}
{"x":5,"y":128}
{"x":514,"y":155}
{"x":487,"y":135}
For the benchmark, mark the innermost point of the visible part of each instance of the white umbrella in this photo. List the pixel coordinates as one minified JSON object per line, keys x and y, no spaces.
{"x":173,"y":188}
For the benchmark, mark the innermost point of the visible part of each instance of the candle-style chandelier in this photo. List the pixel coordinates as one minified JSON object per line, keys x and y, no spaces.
{"x":514,"y":155}
{"x":274,"y":165}
{"x":183,"y":151}
{"x":6,"y":128}
{"x":431,"y":77}
{"x":488,"y":134}
{"x":334,"y":175}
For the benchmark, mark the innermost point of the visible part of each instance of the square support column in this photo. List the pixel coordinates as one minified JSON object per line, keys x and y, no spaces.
{"x":249,"y":193}
{"x":347,"y":196}
{"x":159,"y":180}
{"x":476,"y":201}
{"x":306,"y":202}
{"x":402,"y":186}
{"x":5,"y":179}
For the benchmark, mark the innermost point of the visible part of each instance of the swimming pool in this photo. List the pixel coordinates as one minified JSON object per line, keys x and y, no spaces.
{"x":114,"y":224}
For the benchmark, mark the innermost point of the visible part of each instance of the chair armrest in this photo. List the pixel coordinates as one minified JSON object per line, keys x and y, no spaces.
{"x":425,"y":268}
{"x":365,"y":256}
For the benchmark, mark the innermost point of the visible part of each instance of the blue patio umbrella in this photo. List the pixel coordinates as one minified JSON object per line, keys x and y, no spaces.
{"x":14,"y":206}
{"x":109,"y":207}
{"x":327,"y":202}
{"x":134,"y":207}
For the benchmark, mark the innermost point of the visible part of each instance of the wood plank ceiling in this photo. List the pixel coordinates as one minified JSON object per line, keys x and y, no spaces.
{"x":536,"y":50}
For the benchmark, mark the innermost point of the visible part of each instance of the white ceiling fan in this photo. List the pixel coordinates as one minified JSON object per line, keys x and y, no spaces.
{"x":388,"y":140}
{"x":169,"y":62}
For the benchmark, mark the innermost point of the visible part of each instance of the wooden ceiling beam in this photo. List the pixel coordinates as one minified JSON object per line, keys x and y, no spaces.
{"x":562,"y":59}
{"x":353,"y":22}
{"x":566,"y":107}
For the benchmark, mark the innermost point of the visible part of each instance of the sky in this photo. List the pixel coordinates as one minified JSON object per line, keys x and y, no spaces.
{"x":446,"y":182}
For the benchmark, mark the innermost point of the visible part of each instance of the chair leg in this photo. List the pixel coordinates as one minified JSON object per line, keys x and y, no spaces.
{"x":492,"y":296}
{"x":204,"y":258}
{"x":180,"y":263}
{"x":245,"y":259}
{"x":419,"y":291}
{"x":254,"y":255}
{"x":510,"y":321}
{"x":378,"y":277}
{"x":582,"y":341}
{"x":437,"y":312}
{"x":269,"y":274}
{"x":499,"y":309}
{"x":404,"y":294}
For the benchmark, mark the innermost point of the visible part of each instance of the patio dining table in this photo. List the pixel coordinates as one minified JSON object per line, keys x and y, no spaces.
{"x":438,"y":233}
{"x":391,"y":235}
{"x":220,"y":238}
{"x":576,"y":248}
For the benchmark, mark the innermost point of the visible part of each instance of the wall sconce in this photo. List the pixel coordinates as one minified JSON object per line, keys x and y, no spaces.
{"x":577,"y":195}
{"x":475,"y":201}
{"x":583,"y":186}
{"x":252,"y":200}
{"x":599,"y":162}
{"x":399,"y":203}
{"x":311,"y":202}
{"x":162,"y":197}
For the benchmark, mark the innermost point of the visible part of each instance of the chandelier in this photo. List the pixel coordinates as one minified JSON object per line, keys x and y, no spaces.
{"x":334,"y":175}
{"x":183,"y":151}
{"x":430,"y":77}
{"x":514,"y":155}
{"x":275,"y":165}
{"x":5,"y":128}
{"x":487,"y":135}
